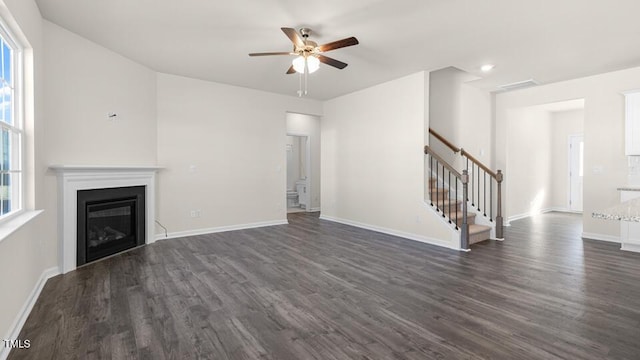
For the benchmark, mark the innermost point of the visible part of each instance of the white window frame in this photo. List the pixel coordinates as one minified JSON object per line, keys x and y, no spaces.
{"x":17,"y":73}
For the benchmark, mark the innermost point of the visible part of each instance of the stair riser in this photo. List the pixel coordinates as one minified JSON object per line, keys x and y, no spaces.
{"x":448,"y":208}
{"x":471,"y":219}
{"x":481,"y":236}
{"x":437,"y":195}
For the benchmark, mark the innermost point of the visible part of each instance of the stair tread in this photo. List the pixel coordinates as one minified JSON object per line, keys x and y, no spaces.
{"x":452,"y":215}
{"x":447,"y":201}
{"x":439,"y":189}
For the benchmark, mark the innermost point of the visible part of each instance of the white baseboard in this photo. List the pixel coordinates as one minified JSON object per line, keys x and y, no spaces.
{"x":316,"y":209}
{"x":601,"y":237}
{"x":21,"y":318}
{"x":508,"y":220}
{"x":402,"y":234}
{"x":630,"y":247}
{"x":565,"y":210}
{"x":526,"y":215}
{"x":178,"y":234}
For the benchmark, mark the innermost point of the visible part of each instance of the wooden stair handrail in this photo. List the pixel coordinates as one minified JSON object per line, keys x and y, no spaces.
{"x":479,"y":164}
{"x":429,"y":151}
{"x":463,"y":153}
{"x":444,"y":141}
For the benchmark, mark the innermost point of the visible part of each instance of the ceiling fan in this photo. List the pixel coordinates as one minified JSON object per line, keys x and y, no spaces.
{"x":308,"y":53}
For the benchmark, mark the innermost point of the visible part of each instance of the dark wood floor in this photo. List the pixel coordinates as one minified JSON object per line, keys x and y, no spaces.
{"x":319,"y":290}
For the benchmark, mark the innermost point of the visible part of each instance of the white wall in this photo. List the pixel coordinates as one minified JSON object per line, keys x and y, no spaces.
{"x":475,"y":128}
{"x":309,"y":125}
{"x":563,"y":124}
{"x":373,"y":161}
{"x":605,"y":163}
{"x":528,"y":158}
{"x":84,"y":83}
{"x":223,"y":151}
{"x":461,"y":113}
{"x":444,"y":97}
{"x":444,"y":109}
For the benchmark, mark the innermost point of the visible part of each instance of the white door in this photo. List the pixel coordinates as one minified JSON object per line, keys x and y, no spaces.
{"x":576,"y":171}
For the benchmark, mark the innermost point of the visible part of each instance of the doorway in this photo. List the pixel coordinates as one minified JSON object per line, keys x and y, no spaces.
{"x":302,"y":184}
{"x":576,"y":171}
{"x":539,"y":161}
{"x":298,"y":170}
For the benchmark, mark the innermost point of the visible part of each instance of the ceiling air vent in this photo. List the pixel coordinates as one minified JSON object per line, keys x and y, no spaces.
{"x":518,"y":85}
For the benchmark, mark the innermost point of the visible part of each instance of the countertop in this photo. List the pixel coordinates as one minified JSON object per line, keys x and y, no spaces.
{"x":625,"y":211}
{"x":629,"y":188}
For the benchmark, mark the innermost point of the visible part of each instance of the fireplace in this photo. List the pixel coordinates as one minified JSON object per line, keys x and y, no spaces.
{"x":74,"y":179}
{"x":109,"y":221}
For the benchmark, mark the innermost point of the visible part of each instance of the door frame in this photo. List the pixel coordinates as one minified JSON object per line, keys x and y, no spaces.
{"x":569,"y":209}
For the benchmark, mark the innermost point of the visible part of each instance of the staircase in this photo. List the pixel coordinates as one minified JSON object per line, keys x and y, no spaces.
{"x":466,"y":199}
{"x":452,"y":210}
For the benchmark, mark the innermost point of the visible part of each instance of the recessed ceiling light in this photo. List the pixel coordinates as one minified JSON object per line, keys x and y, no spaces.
{"x":487,"y":67}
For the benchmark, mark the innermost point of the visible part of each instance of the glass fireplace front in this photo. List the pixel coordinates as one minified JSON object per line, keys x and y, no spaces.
{"x":109,"y":221}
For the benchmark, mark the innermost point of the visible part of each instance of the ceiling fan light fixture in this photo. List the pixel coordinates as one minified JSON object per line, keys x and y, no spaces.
{"x":310,"y":62}
{"x":299,"y":64}
{"x":313,"y":64}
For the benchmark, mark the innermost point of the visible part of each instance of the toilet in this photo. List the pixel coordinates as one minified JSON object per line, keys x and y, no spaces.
{"x":292,"y":198}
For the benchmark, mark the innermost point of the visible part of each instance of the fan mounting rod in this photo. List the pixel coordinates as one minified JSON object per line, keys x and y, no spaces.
{"x":305,"y":32}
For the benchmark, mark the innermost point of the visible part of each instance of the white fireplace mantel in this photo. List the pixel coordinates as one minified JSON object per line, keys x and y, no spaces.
{"x":72,"y":178}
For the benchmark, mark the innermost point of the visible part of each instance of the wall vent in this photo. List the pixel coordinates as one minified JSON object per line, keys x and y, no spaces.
{"x":518,"y":85}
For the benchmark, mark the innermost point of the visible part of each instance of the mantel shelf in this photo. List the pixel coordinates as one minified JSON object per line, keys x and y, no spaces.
{"x":63,"y":168}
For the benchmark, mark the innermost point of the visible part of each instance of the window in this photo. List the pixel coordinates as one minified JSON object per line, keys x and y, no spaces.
{"x":11,"y":132}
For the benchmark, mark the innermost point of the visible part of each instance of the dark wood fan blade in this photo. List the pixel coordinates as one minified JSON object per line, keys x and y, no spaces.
{"x":292,"y":34}
{"x":338,"y":44}
{"x":291,"y":70}
{"x":332,"y":62}
{"x":271,"y":53}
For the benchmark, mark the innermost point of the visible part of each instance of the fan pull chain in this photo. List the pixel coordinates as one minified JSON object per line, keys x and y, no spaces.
{"x":304,"y":92}
{"x":306,"y":75}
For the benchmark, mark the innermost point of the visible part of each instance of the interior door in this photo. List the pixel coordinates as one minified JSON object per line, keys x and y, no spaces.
{"x":576,"y":171}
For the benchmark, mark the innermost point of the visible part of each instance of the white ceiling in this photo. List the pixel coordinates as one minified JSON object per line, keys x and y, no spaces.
{"x":545,"y":40}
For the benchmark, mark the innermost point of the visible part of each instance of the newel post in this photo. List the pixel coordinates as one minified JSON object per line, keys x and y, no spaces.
{"x":499,"y":233}
{"x":464,"y":228}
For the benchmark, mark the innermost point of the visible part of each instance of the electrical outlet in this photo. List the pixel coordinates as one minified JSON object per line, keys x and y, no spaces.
{"x":195,"y":213}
